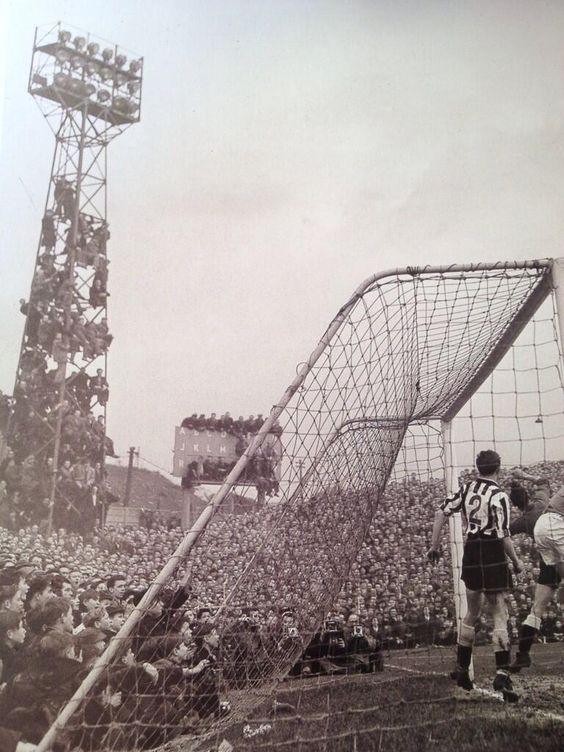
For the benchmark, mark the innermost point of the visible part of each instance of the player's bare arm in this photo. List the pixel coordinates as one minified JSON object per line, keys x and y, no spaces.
{"x":511,"y":555}
{"x":434,"y":552}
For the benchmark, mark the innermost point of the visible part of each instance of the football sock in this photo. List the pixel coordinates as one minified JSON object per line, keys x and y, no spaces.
{"x":526,"y":638}
{"x":529,"y":629}
{"x":464,"y":656}
{"x":502,"y":660}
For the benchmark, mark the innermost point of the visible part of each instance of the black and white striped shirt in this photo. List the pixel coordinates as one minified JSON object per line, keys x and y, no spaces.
{"x":485,"y":507}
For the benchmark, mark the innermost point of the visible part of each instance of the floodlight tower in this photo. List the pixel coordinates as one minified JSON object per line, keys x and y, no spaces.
{"x":89,"y":93}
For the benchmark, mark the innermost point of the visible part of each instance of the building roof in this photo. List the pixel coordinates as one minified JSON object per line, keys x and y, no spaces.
{"x":149,"y":489}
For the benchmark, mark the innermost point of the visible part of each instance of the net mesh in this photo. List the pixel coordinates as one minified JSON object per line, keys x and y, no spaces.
{"x":332,"y":631}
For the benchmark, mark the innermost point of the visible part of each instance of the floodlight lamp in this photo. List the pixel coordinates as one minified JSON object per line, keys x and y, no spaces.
{"x":64,"y":37}
{"x":76,"y":86}
{"x":103,"y":95}
{"x":107,"y":54}
{"x":93,"y":48}
{"x":105,"y":74}
{"x":135,"y":66}
{"x":133,"y":87}
{"x":120,"y":79}
{"x":121,"y":104}
{"x":76,"y":62}
{"x":121,"y":60}
{"x":79,"y":43}
{"x":90,"y":89}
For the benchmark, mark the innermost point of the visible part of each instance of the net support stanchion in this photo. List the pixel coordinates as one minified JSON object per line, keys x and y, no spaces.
{"x":456,"y":536}
{"x":558,"y":286}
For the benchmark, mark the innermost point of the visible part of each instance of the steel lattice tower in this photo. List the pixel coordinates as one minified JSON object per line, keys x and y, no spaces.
{"x":89,"y":93}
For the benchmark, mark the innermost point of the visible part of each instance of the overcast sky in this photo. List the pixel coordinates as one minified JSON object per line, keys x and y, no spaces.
{"x":287,"y":150}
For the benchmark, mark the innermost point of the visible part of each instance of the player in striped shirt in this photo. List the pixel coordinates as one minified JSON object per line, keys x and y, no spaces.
{"x":485,"y":571}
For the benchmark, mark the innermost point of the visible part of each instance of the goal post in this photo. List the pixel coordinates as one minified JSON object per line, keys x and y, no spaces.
{"x":557,"y":269}
{"x":456,"y":535}
{"x":411,"y":347}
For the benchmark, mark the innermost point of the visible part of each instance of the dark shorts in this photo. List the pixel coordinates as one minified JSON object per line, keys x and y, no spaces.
{"x":484,"y":566}
{"x":548,"y":575}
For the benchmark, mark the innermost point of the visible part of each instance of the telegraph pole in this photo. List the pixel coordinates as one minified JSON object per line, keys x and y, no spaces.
{"x":132,"y":454}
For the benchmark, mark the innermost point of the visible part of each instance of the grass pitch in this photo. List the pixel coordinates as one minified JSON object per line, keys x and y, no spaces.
{"x":411,"y":707}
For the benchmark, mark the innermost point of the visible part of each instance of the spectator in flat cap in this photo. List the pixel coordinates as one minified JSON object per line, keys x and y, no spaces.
{"x":25,"y":568}
{"x":91,"y":643}
{"x":116,"y":619}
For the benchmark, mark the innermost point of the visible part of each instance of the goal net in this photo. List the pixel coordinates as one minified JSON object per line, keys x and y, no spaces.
{"x":301,"y":612}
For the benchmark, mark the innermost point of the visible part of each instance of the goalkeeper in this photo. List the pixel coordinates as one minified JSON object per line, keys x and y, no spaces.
{"x":543,"y":519}
{"x":485,"y":570}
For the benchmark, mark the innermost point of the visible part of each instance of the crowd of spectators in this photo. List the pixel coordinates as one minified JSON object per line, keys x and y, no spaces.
{"x":389,"y":598}
{"x":56,"y":619}
{"x":5,"y":411}
{"x":65,"y":332}
{"x":82,"y":490}
{"x":261,"y":470}
{"x":154,"y":519}
{"x":53,"y":627}
{"x":242,"y":427}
